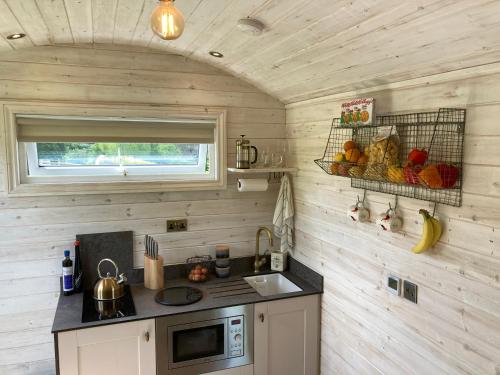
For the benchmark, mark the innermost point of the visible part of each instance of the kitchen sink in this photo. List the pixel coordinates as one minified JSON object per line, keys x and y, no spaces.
{"x":269,"y":285}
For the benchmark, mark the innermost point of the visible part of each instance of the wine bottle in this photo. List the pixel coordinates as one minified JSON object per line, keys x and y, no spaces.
{"x":67,"y":270}
{"x":78,"y":272}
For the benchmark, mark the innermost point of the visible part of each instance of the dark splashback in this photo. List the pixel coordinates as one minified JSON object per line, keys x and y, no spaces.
{"x":118,"y":246}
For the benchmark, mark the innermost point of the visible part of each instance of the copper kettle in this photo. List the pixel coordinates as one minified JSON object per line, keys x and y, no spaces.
{"x":109,"y":287}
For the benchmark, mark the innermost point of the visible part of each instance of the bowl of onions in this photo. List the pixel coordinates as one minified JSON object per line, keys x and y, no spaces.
{"x":198,"y":268}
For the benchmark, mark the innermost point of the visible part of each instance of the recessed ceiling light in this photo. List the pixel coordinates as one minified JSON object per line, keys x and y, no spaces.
{"x":251,"y":26}
{"x":16,"y":36}
{"x":216,"y":54}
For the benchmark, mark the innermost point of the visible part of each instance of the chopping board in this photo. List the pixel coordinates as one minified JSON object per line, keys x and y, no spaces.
{"x":118,"y":246}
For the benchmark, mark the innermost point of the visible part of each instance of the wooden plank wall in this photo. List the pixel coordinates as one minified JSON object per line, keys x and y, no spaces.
{"x":455,"y":327}
{"x":34,"y":231}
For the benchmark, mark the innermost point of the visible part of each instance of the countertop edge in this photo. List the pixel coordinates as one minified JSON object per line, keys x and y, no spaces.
{"x":313,"y":285}
{"x":136,"y":318}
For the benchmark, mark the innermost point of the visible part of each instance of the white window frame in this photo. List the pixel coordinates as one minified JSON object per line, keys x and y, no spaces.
{"x":31,"y":172}
{"x":136,"y":179}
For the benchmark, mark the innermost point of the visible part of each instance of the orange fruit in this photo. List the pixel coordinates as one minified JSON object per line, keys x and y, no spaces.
{"x":349,"y":145}
{"x":363,"y":160}
{"x":365,"y":116}
{"x":352,"y":155}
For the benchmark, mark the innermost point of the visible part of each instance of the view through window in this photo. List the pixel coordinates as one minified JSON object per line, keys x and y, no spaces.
{"x":116,"y":154}
{"x":170,"y":160}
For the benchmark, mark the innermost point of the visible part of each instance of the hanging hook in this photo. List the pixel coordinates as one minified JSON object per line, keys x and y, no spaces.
{"x":364,"y":197}
{"x":434,"y":210}
{"x":395,"y":203}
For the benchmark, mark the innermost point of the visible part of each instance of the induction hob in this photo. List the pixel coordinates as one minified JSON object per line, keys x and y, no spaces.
{"x":94,"y":310}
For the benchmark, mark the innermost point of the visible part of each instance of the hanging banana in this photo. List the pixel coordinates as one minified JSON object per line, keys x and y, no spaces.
{"x":430,"y":234}
{"x":436,"y":226}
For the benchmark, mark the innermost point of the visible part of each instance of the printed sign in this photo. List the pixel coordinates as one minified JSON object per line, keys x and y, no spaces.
{"x":358,"y":112}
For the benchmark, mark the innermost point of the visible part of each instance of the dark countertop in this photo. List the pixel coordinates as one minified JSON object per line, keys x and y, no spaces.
{"x":217,"y":293}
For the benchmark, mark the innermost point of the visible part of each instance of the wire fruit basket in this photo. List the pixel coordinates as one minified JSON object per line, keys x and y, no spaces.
{"x":198,"y":268}
{"x":416,"y":155}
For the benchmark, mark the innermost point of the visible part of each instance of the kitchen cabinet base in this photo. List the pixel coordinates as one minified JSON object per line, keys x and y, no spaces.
{"x":125,"y":349}
{"x":243,"y":370}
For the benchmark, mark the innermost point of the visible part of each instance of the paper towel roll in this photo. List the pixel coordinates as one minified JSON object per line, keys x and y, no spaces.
{"x":254,"y":184}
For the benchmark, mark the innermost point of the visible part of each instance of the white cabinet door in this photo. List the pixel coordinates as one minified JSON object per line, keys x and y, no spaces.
{"x":286,"y":340}
{"x":242,"y":370}
{"x":125,"y":349}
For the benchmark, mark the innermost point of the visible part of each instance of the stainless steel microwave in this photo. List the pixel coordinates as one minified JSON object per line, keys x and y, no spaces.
{"x":205,"y":341}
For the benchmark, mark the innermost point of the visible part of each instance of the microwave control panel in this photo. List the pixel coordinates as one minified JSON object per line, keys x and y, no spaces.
{"x":236,"y":336}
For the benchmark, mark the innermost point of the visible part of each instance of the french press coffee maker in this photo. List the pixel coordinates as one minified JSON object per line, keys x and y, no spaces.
{"x":243,"y":153}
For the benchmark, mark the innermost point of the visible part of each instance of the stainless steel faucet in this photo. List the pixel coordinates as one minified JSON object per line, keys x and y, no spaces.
{"x":258,"y":261}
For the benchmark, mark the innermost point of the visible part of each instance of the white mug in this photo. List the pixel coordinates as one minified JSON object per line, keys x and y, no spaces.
{"x":390,"y":221}
{"x":358,"y":213}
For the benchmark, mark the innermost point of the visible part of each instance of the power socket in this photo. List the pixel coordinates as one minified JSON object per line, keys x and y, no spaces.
{"x":179,"y":225}
{"x":410,"y":291}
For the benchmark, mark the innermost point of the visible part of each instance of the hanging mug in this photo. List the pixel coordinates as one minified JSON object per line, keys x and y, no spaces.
{"x":390,"y":221}
{"x":358,"y":212}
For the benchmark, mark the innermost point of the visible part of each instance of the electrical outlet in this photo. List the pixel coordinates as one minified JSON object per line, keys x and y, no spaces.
{"x":182,"y":225}
{"x":410,"y":291}
{"x":179,"y":225}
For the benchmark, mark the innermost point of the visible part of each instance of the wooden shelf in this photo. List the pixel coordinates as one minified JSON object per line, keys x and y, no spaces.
{"x":262,"y":170}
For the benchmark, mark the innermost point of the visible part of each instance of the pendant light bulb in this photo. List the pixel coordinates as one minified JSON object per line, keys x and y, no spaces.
{"x":167,"y":21}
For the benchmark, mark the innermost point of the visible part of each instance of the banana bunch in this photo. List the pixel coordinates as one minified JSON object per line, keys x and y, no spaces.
{"x":430,"y":234}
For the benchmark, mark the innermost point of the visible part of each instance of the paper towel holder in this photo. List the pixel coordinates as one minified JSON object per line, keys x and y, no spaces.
{"x":261,"y":170}
{"x":276,"y":173}
{"x":252,"y":184}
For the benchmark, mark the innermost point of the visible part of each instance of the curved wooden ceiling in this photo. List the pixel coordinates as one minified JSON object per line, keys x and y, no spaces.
{"x":310,"y":48}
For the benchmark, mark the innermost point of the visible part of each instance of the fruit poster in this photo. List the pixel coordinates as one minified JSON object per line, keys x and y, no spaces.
{"x":358,"y":112}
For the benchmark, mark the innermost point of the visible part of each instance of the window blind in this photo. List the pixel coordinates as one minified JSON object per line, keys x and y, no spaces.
{"x":34,"y":128}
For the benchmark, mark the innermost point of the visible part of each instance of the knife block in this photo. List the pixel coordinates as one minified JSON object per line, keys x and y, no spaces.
{"x":153,"y":272}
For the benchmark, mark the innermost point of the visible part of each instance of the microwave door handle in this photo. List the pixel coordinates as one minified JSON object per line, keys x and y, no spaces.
{"x":226,"y":338}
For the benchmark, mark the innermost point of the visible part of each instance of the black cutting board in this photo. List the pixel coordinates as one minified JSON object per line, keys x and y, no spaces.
{"x":118,"y":246}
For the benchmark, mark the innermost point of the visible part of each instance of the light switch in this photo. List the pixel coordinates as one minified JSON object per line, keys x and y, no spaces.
{"x":394,"y":285}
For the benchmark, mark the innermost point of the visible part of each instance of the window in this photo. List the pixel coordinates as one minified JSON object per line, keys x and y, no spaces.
{"x":83,"y":161}
{"x":172,"y":151}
